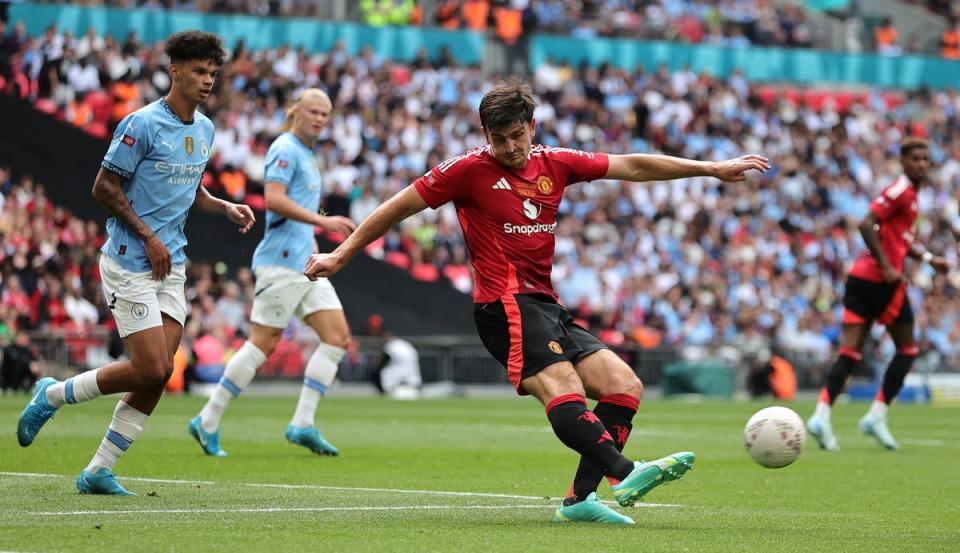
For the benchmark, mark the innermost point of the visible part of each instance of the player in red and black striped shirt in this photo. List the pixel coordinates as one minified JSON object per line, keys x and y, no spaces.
{"x":507,"y":195}
{"x":876,"y":292}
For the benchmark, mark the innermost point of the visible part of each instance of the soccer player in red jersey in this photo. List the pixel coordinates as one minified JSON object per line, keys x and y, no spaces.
{"x":876,"y":291}
{"x":506,"y":195}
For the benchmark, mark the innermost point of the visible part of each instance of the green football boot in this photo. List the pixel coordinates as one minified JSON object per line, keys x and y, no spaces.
{"x":646,"y":476}
{"x":590,"y":509}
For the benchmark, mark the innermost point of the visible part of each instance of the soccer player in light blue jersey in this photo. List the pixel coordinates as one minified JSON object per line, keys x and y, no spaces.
{"x":293,"y":187}
{"x":149,"y":180}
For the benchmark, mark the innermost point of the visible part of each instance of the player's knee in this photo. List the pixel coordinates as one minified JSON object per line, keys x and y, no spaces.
{"x":167,"y":371}
{"x":635,"y":387}
{"x":266,"y":344}
{"x":626,"y":382}
{"x":268,"y":347}
{"x":623,"y":380}
{"x":153,"y":373}
{"x":338,"y":340}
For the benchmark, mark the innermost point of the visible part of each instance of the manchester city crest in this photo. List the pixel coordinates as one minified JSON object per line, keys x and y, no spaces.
{"x":139,"y":311}
{"x":204,"y":151}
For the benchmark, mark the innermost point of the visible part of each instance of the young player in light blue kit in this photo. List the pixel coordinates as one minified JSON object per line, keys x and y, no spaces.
{"x":149,"y":180}
{"x":293,"y":186}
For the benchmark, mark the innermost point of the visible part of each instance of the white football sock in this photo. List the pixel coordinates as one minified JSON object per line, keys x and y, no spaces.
{"x":125,"y":427}
{"x":78,"y":389}
{"x":237,"y":376}
{"x":878,"y":409}
{"x":822,"y":411}
{"x":317,"y":377}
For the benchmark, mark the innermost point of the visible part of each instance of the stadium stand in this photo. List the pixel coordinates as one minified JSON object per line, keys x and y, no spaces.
{"x":690,"y":264}
{"x":738,"y":23}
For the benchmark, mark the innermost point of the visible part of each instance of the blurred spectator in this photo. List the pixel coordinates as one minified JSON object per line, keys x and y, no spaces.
{"x":886,"y":37}
{"x":19,"y":368}
{"x":950,"y":41}
{"x":398,"y":371}
{"x":209,"y":351}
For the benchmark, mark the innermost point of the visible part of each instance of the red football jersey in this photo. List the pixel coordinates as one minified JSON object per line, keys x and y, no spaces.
{"x":509,"y":216}
{"x":896,"y":209}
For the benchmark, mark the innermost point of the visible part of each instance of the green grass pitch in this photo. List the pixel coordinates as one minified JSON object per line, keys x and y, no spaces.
{"x":505,"y":470}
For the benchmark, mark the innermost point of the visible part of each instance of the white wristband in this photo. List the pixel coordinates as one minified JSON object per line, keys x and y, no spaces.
{"x":926,"y":257}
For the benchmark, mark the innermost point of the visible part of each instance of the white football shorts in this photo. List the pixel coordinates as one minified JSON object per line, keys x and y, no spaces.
{"x":281,"y":293}
{"x":136,"y":300}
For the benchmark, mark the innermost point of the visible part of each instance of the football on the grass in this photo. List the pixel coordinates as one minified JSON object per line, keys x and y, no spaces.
{"x":774,"y":436}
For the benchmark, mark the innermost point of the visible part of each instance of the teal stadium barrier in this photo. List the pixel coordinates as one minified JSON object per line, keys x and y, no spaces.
{"x":402,"y":43}
{"x":397,"y":43}
{"x":709,"y":377}
{"x":758,"y":64}
{"x":828,"y":5}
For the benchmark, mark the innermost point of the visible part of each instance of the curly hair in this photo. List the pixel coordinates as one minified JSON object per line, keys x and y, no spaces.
{"x":508,"y":102}
{"x":195,"y":45}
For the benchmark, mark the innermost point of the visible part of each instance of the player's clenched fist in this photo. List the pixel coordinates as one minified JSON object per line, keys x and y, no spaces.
{"x":322,"y":265}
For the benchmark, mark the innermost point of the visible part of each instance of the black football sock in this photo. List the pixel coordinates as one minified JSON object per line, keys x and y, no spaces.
{"x":896,"y":371}
{"x":836,"y":378}
{"x":616,"y":412}
{"x":581,"y":430}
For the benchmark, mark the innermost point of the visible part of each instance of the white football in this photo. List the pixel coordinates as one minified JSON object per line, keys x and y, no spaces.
{"x":774,"y":436}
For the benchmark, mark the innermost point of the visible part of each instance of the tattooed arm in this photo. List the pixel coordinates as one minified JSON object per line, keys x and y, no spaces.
{"x":108,"y":190}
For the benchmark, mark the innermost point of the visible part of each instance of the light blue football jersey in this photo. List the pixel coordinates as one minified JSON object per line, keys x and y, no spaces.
{"x":288,"y":243}
{"x":161,"y":159}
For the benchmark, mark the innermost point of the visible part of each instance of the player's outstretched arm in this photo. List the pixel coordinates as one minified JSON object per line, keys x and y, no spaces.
{"x":277,"y":201}
{"x":406,"y":203}
{"x":238,"y":213}
{"x":654,"y":167}
{"x":108,"y":190}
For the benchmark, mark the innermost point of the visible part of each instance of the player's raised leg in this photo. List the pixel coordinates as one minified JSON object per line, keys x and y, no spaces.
{"x":137,"y":310}
{"x":237,"y":375}
{"x":852,"y":337}
{"x":331,"y":326}
{"x":874,"y":423}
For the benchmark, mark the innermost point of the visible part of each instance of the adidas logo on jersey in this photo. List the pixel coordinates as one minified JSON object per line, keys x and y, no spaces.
{"x":502,"y":184}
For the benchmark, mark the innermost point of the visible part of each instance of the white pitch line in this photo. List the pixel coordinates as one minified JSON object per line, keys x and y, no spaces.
{"x":923,"y":441}
{"x":327,"y":488}
{"x":389,"y":490}
{"x":285,"y":510}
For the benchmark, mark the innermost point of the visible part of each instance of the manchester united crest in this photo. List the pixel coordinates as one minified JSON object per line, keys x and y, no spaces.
{"x":188,"y":145}
{"x":553,"y":345}
{"x":544,"y":184}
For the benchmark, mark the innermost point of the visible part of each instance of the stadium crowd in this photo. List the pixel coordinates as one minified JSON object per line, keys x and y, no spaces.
{"x":730,"y":23}
{"x":690,"y":263}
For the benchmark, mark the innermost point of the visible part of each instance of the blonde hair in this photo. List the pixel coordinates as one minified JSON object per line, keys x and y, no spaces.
{"x":308,"y":94}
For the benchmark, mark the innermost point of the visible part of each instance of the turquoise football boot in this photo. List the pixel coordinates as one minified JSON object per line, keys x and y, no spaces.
{"x":102,"y":482}
{"x":36,"y":413}
{"x":209,"y":441}
{"x":310,"y":438}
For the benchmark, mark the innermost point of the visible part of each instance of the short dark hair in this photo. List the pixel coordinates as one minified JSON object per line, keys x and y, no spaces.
{"x":195,"y":45}
{"x":509,"y":102}
{"x":911,"y":143}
